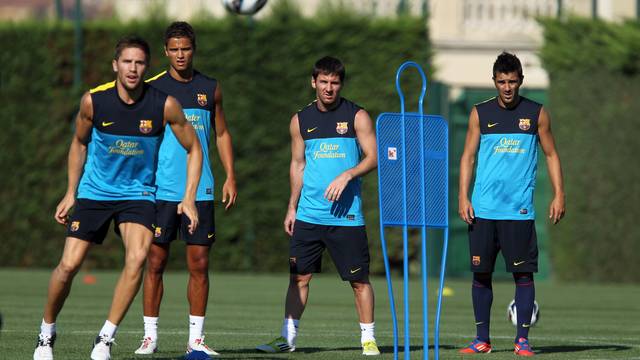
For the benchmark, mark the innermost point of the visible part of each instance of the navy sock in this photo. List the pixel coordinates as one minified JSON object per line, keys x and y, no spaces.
{"x":525,"y":295}
{"x":482,"y":295}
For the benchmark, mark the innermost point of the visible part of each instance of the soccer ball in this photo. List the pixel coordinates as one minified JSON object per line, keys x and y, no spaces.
{"x":512,"y":314}
{"x":244,"y":7}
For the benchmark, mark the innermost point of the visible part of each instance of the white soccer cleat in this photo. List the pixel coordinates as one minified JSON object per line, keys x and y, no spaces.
{"x":44,"y":347}
{"x":101,"y":348}
{"x":370,"y":348}
{"x":148,"y":346}
{"x":278,"y":345}
{"x":199,"y":345}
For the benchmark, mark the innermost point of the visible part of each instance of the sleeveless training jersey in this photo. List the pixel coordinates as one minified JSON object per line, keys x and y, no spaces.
{"x":331,"y":148}
{"x":197,"y":100}
{"x":123,"y":151}
{"x":507,"y":160}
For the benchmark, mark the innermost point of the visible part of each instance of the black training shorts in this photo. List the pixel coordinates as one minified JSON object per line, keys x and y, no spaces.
{"x":515,"y":238}
{"x":168,"y":221}
{"x":347,"y":245}
{"x":91,"y":218}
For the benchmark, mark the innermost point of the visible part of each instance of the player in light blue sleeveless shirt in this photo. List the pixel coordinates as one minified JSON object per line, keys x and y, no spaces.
{"x":201,"y":99}
{"x":333,"y":145}
{"x":112,"y":159}
{"x":504,"y":133}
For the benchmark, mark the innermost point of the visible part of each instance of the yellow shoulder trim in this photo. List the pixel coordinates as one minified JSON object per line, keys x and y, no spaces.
{"x":486,"y":101}
{"x":309,"y":104}
{"x":103,"y":87}
{"x":156,"y":77}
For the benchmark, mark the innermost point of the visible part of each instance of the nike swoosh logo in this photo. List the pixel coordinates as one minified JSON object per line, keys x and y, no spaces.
{"x":312,"y":130}
{"x":492,"y":125}
{"x":105,"y":124}
{"x":356,"y":270}
{"x":526,"y":325}
{"x":480,"y":323}
{"x":518,"y":263}
{"x":209,"y":236}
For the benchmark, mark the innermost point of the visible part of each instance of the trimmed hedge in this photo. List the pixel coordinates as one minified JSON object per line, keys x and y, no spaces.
{"x":264,"y":69}
{"x":595,"y":71}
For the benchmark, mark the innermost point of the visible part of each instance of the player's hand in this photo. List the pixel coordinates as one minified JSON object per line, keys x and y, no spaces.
{"x":62,"y":210}
{"x":289,"y":221}
{"x":335,"y":189}
{"x":556,"y":209}
{"x":189,"y":209}
{"x":465,"y":210}
{"x":229,"y":193}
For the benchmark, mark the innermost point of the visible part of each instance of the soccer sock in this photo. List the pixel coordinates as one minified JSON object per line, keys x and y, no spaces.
{"x":290,"y":330}
{"x":482,"y":296}
{"x":108,"y":330}
{"x":151,"y":327}
{"x":196,"y":327}
{"x":525,"y":295}
{"x":47,"y":329}
{"x":367,"y":332}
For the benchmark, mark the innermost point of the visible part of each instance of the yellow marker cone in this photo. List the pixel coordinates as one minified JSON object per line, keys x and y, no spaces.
{"x":447,"y":291}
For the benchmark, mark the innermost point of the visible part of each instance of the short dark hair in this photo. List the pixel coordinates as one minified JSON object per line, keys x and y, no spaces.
{"x":328,"y":65}
{"x":179,"y":29}
{"x":506,"y":63}
{"x":132,"y":41}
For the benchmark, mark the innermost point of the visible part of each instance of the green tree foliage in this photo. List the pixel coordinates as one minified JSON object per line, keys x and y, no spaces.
{"x":264,"y":69}
{"x":595,"y":83}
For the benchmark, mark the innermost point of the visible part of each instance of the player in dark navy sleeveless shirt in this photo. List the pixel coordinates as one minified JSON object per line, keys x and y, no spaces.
{"x":504,"y":132}
{"x":333,"y":145}
{"x":112,"y":161}
{"x":201,"y":99}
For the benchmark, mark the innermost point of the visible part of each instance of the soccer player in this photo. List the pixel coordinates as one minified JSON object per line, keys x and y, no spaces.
{"x":505,"y":131}
{"x":118,"y":132}
{"x":201,"y":98}
{"x":332,"y":145}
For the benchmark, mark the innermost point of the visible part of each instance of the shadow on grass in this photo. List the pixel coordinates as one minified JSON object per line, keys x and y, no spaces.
{"x":253,"y":354}
{"x":569,"y":348}
{"x":383,"y":349}
{"x":248,"y":354}
{"x":577,"y":348}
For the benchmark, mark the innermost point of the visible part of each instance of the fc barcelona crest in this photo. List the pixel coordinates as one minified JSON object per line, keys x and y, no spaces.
{"x":158,"y":232}
{"x":75,"y":225}
{"x":146,"y":126}
{"x":342,"y":128}
{"x":475,"y":260}
{"x":524,"y":124}
{"x":202,"y":99}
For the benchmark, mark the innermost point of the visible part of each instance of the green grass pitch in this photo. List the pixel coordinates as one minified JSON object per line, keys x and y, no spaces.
{"x":577,"y":322}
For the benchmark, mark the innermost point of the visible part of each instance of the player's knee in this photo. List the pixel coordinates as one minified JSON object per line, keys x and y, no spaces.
{"x":199,"y":265}
{"x":135,"y":258}
{"x":360,"y":286}
{"x":155,"y":265}
{"x":300,"y":280}
{"x":523,"y":278}
{"x":67,"y":268}
{"x":482,"y":279}
{"x":157,"y":259}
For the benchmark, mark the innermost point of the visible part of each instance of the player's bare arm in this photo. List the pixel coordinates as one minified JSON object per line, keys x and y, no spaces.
{"x":225,"y":152}
{"x":186,"y":135}
{"x":467,"y":161}
{"x":367,"y":139}
{"x":296,"y":171}
{"x":556,"y":208}
{"x":77,"y":157}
